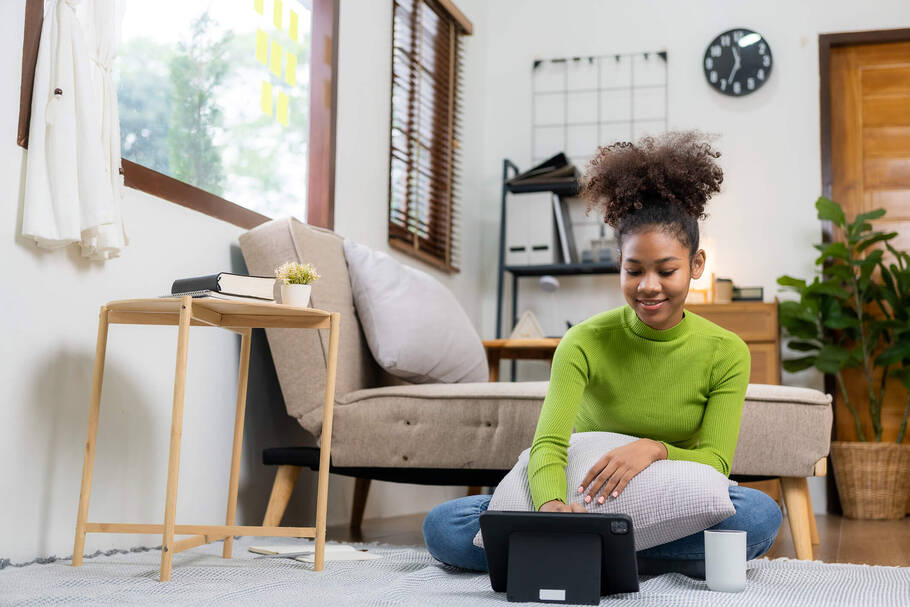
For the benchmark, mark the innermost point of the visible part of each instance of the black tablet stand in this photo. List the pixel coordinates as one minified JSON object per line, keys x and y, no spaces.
{"x":551,"y":567}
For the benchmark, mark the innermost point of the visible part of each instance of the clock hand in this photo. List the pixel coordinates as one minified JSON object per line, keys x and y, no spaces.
{"x":735,"y":63}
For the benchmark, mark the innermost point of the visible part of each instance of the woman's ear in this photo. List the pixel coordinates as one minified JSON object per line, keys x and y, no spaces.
{"x":698,"y":264}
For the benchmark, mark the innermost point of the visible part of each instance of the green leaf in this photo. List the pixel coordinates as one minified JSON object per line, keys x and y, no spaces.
{"x":828,"y":288}
{"x":903,"y":374}
{"x":842,"y":271}
{"x":797,"y":310}
{"x":841,"y":322}
{"x":896,"y":353}
{"x":868,"y":266}
{"x":794,"y":283}
{"x":832,"y":359}
{"x":835,"y":249}
{"x":874,"y":214}
{"x":803,"y":346}
{"x":830,"y":210}
{"x":878,"y":237}
{"x":795,"y":365}
{"x":855,"y":359}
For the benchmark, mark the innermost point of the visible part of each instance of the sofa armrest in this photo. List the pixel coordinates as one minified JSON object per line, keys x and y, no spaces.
{"x":785,"y":431}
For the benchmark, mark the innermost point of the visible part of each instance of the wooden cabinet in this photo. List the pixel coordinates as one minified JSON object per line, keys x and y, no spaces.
{"x":756,"y":323}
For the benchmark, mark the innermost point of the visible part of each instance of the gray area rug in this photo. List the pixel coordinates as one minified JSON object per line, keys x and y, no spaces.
{"x":406,"y":575}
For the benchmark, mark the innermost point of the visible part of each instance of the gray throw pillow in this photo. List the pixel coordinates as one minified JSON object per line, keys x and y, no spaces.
{"x":666,"y":501}
{"x":412,"y":323}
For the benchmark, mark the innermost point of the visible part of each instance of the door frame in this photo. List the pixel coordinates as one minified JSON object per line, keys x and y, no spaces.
{"x":825,"y":43}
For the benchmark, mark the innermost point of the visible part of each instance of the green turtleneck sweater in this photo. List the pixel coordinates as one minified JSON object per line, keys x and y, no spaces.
{"x":683,"y":386}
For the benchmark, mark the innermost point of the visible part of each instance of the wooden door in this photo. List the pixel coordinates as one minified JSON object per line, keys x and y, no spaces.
{"x":870,"y":169}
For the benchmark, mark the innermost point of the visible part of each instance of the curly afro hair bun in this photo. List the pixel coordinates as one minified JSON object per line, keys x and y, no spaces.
{"x":676,"y":169}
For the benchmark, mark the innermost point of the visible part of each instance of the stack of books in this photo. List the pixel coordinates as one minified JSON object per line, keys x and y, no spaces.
{"x":225,"y":285}
{"x":554,"y":173}
{"x":748,"y":294}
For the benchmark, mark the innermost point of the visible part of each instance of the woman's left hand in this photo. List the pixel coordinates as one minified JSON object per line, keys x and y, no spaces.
{"x":617,"y":467}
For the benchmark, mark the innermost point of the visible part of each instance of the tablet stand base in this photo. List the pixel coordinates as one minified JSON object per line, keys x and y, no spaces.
{"x":554,"y":568}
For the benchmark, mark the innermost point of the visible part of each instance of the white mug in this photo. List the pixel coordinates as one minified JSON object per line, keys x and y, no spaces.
{"x":725,"y":560}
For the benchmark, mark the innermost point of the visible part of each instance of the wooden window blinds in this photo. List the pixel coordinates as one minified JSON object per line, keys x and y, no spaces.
{"x":426,"y":78}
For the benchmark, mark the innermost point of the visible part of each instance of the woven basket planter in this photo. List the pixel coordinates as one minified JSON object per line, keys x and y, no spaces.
{"x":873,"y":479}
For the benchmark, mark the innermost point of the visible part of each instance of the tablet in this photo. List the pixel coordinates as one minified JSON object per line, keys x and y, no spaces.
{"x":565,"y":540}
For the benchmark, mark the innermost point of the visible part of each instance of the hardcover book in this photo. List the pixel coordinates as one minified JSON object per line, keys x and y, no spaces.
{"x":260,"y":287}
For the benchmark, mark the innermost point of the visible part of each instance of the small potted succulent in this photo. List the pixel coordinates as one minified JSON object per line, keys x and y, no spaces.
{"x":296,"y":282}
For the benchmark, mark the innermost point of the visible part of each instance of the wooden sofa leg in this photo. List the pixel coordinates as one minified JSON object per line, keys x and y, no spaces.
{"x":285,"y":479}
{"x":813,"y":530}
{"x":361,"y":491}
{"x":796,"y":498}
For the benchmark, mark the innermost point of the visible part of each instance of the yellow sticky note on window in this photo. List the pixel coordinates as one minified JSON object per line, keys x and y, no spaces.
{"x":266,"y":102}
{"x":275,"y":59}
{"x":292,"y":26}
{"x":283,"y":108}
{"x":262,"y":47}
{"x":257,"y":5}
{"x":290,"y":72}
{"x":277,"y":14}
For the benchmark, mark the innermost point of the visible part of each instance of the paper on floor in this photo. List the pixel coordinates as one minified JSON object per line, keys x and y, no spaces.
{"x":333,"y":552}
{"x":354,"y":555}
{"x":287,"y":548}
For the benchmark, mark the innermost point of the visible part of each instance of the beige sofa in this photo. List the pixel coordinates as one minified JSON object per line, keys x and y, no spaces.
{"x":381,"y":423}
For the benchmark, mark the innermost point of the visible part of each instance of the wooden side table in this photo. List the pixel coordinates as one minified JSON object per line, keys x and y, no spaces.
{"x":241,"y":317}
{"x":520,"y":349}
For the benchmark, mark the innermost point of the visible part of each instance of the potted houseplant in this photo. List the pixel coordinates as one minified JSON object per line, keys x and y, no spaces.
{"x":855,"y":313}
{"x":296,"y":282}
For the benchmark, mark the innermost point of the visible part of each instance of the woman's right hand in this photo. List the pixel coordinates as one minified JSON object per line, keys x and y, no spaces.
{"x":558,"y":506}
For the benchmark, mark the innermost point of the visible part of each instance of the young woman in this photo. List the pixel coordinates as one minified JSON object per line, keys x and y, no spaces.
{"x":648,"y":369}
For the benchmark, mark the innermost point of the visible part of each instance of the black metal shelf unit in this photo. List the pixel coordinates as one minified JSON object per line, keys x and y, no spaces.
{"x":509,"y":170}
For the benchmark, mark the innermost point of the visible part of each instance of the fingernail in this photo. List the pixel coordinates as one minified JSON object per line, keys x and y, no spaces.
{"x":616,"y":494}
{"x":587,"y":499}
{"x":580,"y":489}
{"x":601,"y":500}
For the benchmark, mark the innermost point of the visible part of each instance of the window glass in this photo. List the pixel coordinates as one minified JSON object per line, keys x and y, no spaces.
{"x":216,"y":94}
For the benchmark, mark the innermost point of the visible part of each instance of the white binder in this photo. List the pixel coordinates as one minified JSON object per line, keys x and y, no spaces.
{"x":516,"y":230}
{"x":530,"y":229}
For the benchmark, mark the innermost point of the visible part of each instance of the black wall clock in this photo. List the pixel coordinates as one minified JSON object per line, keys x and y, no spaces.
{"x":738,"y":62}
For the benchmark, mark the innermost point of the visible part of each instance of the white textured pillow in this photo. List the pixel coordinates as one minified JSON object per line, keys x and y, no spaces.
{"x":413,"y":324}
{"x":666,"y":501}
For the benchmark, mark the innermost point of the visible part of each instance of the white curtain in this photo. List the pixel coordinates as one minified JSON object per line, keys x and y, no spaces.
{"x":73,"y":185}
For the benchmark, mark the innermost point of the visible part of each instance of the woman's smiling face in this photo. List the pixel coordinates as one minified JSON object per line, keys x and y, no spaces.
{"x":655,"y":276}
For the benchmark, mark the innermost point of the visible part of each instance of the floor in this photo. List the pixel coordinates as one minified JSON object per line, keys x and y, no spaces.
{"x":842,"y":540}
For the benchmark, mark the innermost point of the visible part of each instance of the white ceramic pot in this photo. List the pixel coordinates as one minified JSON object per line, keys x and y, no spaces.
{"x":296,"y":295}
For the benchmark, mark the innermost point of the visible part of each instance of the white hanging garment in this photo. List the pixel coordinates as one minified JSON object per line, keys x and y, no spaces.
{"x":67,"y":190}
{"x":105,"y":18}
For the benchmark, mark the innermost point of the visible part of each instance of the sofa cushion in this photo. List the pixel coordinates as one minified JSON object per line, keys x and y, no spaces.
{"x":413,"y":324}
{"x":486,"y":425}
{"x":666,"y":501}
{"x":483,"y":426}
{"x":299,"y":356}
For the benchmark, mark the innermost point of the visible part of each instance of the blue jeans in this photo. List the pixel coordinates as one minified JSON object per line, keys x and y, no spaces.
{"x":449,"y":530}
